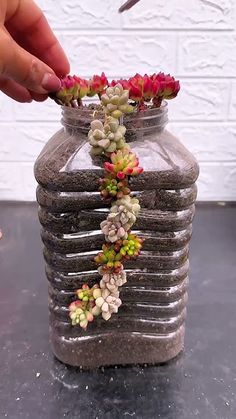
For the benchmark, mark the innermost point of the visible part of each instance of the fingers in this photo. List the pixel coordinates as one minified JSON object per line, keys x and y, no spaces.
{"x":30,"y":29}
{"x":24,"y":68}
{"x":19,"y":93}
{"x":14,"y":90}
{"x":37,"y":97}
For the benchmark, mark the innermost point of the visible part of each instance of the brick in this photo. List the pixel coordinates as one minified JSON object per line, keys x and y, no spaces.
{"x":37,"y":111}
{"x":120,"y":54}
{"x":24,"y":142}
{"x":217,"y":182}
{"x":6,"y":108}
{"x":207,"y":54}
{"x":200,"y":100}
{"x":181,"y":14}
{"x":91,"y":14}
{"x":232,"y":104}
{"x":208,"y":142}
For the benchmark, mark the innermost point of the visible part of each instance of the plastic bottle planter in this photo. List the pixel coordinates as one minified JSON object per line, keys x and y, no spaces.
{"x":149,"y":327}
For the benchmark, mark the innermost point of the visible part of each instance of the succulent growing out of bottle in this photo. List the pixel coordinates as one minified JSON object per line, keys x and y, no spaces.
{"x":113,"y":231}
{"x":115,"y":101}
{"x":73,"y":89}
{"x":83,"y":310}
{"x":108,"y":302}
{"x":113,"y":280}
{"x":106,"y":138}
{"x":123,"y":163}
{"x":109,"y":259}
{"x":129,"y":247}
{"x":125,"y":211}
{"x":118,"y":97}
{"x":97,"y":85}
{"x":110,"y":187}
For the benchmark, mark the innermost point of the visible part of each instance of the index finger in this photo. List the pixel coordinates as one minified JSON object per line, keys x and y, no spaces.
{"x":30,"y":29}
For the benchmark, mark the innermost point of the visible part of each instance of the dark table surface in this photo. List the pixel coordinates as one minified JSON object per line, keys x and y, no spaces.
{"x":201,"y":382}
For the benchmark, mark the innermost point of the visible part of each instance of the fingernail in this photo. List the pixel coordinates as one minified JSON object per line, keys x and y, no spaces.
{"x":51,"y":82}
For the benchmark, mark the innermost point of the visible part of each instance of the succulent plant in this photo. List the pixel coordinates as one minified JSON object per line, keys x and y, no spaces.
{"x":113,"y":231}
{"x":142,"y":88}
{"x":115,"y":101}
{"x":79,"y":314}
{"x":109,"y":259}
{"x":97,"y":85}
{"x":107,"y":137}
{"x":112,"y":281}
{"x":123,"y":163}
{"x":124,"y":211}
{"x":129,"y":247}
{"x":73,"y":88}
{"x":168,"y":86}
{"x":110,"y":187}
{"x":108,"y":302}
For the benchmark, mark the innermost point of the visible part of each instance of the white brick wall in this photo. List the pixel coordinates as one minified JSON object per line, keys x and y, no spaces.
{"x":193,"y":39}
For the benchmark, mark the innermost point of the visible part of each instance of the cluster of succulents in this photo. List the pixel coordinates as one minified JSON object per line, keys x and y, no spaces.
{"x":110,"y":187}
{"x":120,"y":96}
{"x":150,"y":89}
{"x":106,"y":138}
{"x":83,"y":310}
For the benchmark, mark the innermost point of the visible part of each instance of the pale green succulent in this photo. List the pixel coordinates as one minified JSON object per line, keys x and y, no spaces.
{"x":108,"y":302}
{"x":107,"y":137}
{"x":124,"y":211}
{"x":115,"y":101}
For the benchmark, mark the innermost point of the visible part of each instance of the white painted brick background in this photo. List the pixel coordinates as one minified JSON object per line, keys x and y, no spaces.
{"x":193,"y":39}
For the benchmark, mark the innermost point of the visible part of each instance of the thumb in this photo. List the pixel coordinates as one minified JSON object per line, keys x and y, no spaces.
{"x":27,"y":70}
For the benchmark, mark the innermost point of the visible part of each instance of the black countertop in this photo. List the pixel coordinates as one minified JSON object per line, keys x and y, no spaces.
{"x":200,"y":383}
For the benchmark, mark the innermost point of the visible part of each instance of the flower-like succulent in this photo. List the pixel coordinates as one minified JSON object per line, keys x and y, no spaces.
{"x":85,"y":293}
{"x":106,"y":138}
{"x":111,"y":187}
{"x":72,"y":88}
{"x":125,"y":211}
{"x":97,"y":84}
{"x":123,"y":163}
{"x":79,"y":314}
{"x":109,"y":258}
{"x":115,"y":101}
{"x":113,"y":231}
{"x":168,"y":86}
{"x":129,"y":247}
{"x":142,"y":88}
{"x":83,"y":310}
{"x":113,"y":281}
{"x":108,"y":302}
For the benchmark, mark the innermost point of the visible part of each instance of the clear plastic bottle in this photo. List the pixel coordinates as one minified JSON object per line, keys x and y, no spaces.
{"x":149,"y":327}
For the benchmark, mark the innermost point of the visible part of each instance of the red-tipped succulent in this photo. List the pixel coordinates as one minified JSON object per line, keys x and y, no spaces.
{"x":97,"y":85}
{"x":123,"y":163}
{"x":169,"y":87}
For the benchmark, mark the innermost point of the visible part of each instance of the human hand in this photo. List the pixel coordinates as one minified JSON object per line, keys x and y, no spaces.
{"x":31,"y":58}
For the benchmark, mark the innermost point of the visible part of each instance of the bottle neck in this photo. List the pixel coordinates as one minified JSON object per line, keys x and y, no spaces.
{"x":138,"y":124}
